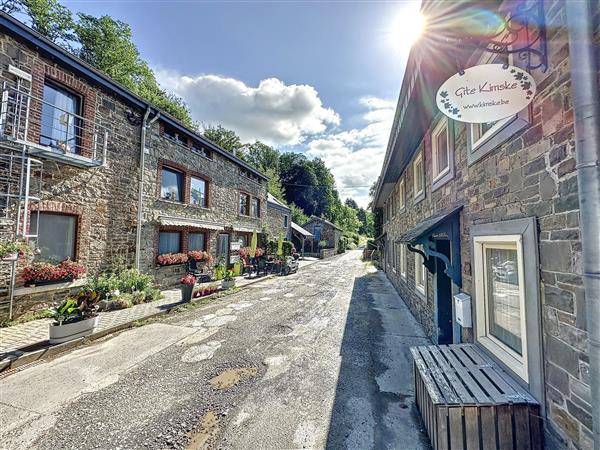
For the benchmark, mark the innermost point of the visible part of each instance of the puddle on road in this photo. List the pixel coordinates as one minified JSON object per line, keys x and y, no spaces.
{"x":230,"y":377}
{"x":209,"y":427}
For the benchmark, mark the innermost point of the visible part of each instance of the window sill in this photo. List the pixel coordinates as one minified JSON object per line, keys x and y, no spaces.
{"x":421,"y":292}
{"x":49,"y":287}
{"x":442,"y":180}
{"x":420,"y":196}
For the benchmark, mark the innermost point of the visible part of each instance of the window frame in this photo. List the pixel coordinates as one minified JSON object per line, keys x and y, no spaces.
{"x":532,"y":343}
{"x":420,"y":268}
{"x":418,"y":195}
{"x":206,"y":190}
{"x":181,"y":173}
{"x":441,"y":178}
{"x":203,"y":233}
{"x":502,"y":351}
{"x":258,"y":207}
{"x":402,"y":195}
{"x":246,"y":213}
{"x":77,"y":126}
{"x":403,"y":261}
{"x":179,"y":232}
{"x":478,"y":147}
{"x":286,"y":221}
{"x":76,"y":228}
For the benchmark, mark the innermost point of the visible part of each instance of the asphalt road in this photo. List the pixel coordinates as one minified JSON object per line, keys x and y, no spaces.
{"x":318,"y":359}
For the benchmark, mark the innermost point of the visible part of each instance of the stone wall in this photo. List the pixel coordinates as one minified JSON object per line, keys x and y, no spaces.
{"x":103,"y":198}
{"x":327,"y":253}
{"x":532,"y":174}
{"x":275,"y":221}
{"x":225,"y":183}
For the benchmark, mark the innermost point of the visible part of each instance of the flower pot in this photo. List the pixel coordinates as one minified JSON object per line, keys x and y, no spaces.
{"x":186,"y":292}
{"x":10,"y":257}
{"x":47,"y":282}
{"x":68,"y":332}
{"x":227,"y":284}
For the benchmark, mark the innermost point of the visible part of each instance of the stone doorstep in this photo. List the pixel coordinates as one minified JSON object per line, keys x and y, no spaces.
{"x":12,"y":362}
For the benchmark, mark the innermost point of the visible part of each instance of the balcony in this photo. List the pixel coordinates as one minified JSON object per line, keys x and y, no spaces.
{"x":51,"y":132}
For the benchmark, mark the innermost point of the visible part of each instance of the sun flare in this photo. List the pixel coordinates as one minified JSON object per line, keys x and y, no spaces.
{"x":406,"y":29}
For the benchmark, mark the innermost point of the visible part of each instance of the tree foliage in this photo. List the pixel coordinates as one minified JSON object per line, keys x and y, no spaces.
{"x":104,"y":43}
{"x":223,"y":137}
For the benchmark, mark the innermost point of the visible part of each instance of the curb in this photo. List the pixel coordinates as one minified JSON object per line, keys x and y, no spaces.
{"x":12,"y":363}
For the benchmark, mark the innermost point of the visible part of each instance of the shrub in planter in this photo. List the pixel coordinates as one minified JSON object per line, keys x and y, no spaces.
{"x":244,"y":252}
{"x":45,"y":273}
{"x":10,"y":251}
{"x":187,"y":287}
{"x":169,"y":259}
{"x":228,"y":280}
{"x":74,"y":317}
{"x":126,"y":281}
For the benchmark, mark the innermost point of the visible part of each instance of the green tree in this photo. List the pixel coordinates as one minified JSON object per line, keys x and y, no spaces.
{"x":223,"y":137}
{"x":351,"y":203}
{"x":298,"y":215}
{"x":106,"y":44}
{"x":262,"y":156}
{"x":48,"y":17}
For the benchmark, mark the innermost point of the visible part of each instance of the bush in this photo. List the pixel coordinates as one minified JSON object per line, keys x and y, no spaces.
{"x":342,"y":243}
{"x":128,"y":281}
{"x":272,"y":247}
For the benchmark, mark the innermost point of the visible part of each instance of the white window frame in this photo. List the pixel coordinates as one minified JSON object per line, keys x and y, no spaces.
{"x":422,"y":270}
{"x":402,"y":195}
{"x":403,"y":261}
{"x":441,"y":178}
{"x":418,"y":194}
{"x":480,"y":145}
{"x":518,"y":363}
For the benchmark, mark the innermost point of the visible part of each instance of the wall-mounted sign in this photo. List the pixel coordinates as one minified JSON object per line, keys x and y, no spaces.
{"x":235,"y":245}
{"x":486,"y":93}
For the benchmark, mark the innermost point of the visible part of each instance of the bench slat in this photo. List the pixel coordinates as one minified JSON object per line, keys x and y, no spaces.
{"x":452,"y":375}
{"x":480,"y":396}
{"x":439,"y":379}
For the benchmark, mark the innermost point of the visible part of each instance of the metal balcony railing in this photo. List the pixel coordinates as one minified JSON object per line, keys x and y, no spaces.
{"x":50,"y":131}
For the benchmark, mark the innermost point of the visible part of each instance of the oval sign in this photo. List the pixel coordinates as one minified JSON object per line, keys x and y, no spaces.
{"x":486,"y":93}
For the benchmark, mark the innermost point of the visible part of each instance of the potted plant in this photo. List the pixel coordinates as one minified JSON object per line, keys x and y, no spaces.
{"x":74,"y":318}
{"x":41,"y":273}
{"x":229,"y":280}
{"x":187,"y":287}
{"x":170,"y":259}
{"x":10,"y":251}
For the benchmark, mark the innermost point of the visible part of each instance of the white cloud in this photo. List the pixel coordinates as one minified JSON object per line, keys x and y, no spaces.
{"x":273,"y":112}
{"x":355,"y":156}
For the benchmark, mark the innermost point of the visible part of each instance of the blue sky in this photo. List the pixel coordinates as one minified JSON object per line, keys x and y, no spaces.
{"x":316,"y":77}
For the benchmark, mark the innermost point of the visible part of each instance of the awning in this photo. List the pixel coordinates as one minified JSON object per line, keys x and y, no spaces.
{"x":298,"y":229}
{"x":427,"y":225}
{"x":188,"y":222}
{"x":245,"y":229}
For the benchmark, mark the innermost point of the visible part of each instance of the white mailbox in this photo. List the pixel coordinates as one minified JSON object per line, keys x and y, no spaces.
{"x":462,"y":309}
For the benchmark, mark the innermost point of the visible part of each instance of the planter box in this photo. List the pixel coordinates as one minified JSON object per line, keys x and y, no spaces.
{"x":10,"y":257}
{"x":228,"y":284}
{"x":47,"y":282}
{"x":63,"y":333}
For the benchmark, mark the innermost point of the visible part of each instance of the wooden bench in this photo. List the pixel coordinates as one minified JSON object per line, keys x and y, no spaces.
{"x":468,"y":402}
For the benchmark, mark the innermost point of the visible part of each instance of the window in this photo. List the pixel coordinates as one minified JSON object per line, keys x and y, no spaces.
{"x":243,"y":240}
{"x":420,"y":272}
{"x":442,"y":151}
{"x":60,"y":124}
{"x":201,"y":150}
{"x":506,"y":301}
{"x":171,"y":185}
{"x":402,"y":195}
{"x":482,"y":138}
{"x":394,"y":256}
{"x":418,"y":178}
{"x":57,"y":236}
{"x":285,"y":221}
{"x":169,"y":242}
{"x":198,"y":192}
{"x":196,"y":242}
{"x":255,"y":207}
{"x":403,"y":260}
{"x":244,"y":204}
{"x":169,"y":133}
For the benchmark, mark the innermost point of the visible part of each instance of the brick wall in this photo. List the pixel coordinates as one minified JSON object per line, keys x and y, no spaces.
{"x":530,"y":175}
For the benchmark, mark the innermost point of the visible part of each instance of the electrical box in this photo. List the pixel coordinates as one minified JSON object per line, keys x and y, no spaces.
{"x":462,"y":310}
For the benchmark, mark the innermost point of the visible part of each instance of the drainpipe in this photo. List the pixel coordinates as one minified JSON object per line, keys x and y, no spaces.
{"x":586,"y":106}
{"x":138,"y":235}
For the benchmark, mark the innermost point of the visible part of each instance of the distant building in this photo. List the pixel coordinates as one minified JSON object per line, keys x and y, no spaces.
{"x":323,"y":231}
{"x":278,"y":220}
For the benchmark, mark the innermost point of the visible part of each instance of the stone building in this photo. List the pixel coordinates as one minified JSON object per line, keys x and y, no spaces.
{"x":492,"y":210}
{"x":323,"y":231}
{"x":278,"y":220}
{"x":86,"y":131}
